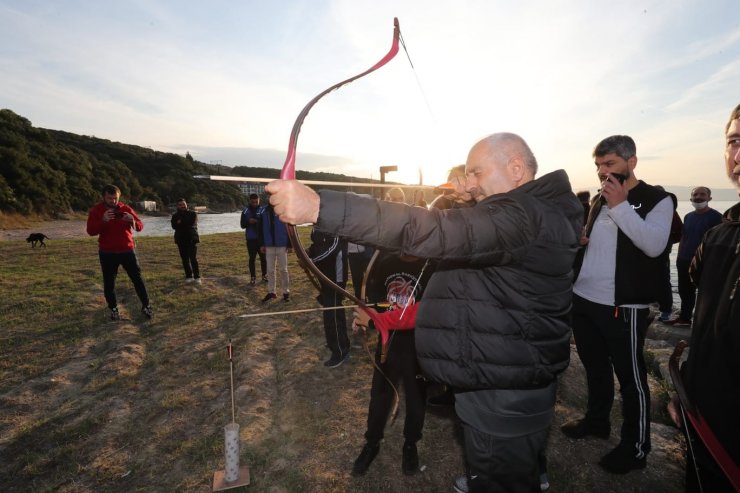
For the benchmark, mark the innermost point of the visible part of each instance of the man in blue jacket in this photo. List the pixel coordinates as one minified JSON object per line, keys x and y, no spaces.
{"x":275,"y":244}
{"x":250,"y":224}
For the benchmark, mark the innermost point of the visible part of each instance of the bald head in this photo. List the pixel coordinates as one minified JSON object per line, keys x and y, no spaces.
{"x":499,"y":163}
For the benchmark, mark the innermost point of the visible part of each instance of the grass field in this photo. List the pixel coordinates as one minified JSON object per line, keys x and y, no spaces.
{"x":90,"y":405}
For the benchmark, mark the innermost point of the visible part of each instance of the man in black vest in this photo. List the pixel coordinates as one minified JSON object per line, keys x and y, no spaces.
{"x":617,"y":276}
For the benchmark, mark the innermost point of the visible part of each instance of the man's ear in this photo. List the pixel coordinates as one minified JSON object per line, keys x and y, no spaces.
{"x":517,"y":168}
{"x":632,"y":162}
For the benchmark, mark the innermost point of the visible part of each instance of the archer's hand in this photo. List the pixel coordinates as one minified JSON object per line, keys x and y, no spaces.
{"x":293,"y":202}
{"x":361,"y":318}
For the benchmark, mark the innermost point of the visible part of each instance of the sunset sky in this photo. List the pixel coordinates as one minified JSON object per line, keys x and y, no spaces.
{"x":225,"y":80}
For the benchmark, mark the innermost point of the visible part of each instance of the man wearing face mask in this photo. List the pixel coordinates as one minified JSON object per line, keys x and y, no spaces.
{"x":695,"y":224}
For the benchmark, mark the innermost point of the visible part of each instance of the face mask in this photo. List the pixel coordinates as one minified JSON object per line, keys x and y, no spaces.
{"x":699,"y":205}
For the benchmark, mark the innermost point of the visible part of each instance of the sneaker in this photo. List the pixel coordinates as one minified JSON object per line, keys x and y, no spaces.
{"x":268,"y":297}
{"x":622,"y":460}
{"x":147,"y":311}
{"x":544,"y":483}
{"x":336,"y":360}
{"x":409,"y":459}
{"x":665,"y":316}
{"x":461,"y":484}
{"x":679,"y":322}
{"x":189,"y":279}
{"x":581,"y":428}
{"x":198,"y":280}
{"x":253,"y":281}
{"x":446,"y":398}
{"x":366,"y":457}
{"x":114,"y":315}
{"x":286,"y":297}
{"x":264,"y":279}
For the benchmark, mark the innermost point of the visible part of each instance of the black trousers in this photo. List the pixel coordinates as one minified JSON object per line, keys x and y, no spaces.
{"x":611,"y":340}
{"x":253,"y":249}
{"x":400,"y":367}
{"x":109,"y":263}
{"x":686,"y":289}
{"x":335,"y":321}
{"x":665,"y":301}
{"x":510,"y":465}
{"x":189,"y":256}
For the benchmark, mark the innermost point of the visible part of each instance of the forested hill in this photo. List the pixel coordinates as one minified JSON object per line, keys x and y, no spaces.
{"x":51,"y":172}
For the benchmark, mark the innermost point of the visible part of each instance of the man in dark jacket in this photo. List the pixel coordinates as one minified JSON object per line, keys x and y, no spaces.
{"x":711,"y":373}
{"x":249,"y":222}
{"x":617,"y":277}
{"x":493,"y":322}
{"x":329,"y":253}
{"x":185,"y":224}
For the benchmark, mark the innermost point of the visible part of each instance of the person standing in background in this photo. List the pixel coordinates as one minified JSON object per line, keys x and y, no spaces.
{"x":113,"y":223}
{"x":329,"y":254}
{"x":275,"y":244}
{"x":250,"y":224}
{"x":185,"y":224}
{"x":695,"y":224}
{"x":665,"y":301}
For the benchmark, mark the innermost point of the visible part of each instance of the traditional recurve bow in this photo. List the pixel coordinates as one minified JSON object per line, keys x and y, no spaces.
{"x":288,"y":171}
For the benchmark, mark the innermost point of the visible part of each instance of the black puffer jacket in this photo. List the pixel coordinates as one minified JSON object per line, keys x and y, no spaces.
{"x":496,"y":311}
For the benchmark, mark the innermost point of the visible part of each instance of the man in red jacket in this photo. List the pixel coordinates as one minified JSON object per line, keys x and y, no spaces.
{"x":113,"y":223}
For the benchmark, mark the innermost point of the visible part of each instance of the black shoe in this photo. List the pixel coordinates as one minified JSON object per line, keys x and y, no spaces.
{"x":268,"y":297}
{"x":622,"y":460}
{"x":114,"y":315}
{"x":581,"y":428}
{"x":409,"y":459}
{"x":147,"y":311}
{"x":446,"y":398}
{"x":286,"y":297}
{"x":366,"y":457}
{"x":265,"y":280}
{"x":336,"y":360}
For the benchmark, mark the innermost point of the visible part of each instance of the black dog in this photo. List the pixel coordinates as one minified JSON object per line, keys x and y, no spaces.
{"x":33,"y":238}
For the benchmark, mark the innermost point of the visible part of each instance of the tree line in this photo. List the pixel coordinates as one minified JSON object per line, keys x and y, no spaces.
{"x":52,"y":172}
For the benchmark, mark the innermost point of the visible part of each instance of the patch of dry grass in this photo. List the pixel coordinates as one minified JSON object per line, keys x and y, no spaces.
{"x":138,"y":405}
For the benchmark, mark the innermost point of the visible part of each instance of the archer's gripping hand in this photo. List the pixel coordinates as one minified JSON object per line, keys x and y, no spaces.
{"x":294,"y":202}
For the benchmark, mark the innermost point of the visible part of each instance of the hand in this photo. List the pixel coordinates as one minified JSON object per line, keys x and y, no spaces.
{"x":361,"y":318}
{"x":614,"y":192}
{"x":262,"y":249}
{"x":108,"y":215}
{"x":128,"y":217}
{"x":674,"y":411}
{"x":583,"y":240}
{"x":294,"y":202}
{"x":289,"y":250}
{"x":252,"y":220}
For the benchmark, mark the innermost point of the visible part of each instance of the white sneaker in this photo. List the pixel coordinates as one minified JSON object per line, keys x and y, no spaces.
{"x":198,"y":280}
{"x":544,"y":483}
{"x":461,"y":484}
{"x":189,"y":279}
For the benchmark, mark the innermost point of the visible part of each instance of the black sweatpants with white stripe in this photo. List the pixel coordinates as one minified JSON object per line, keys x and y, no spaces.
{"x":611,"y":339}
